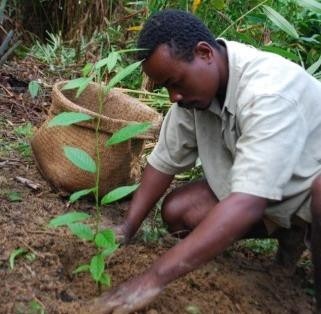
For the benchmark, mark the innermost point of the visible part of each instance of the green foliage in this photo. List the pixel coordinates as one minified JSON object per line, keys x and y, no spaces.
{"x":67,"y":219}
{"x":278,"y":20}
{"x":68,"y":118}
{"x":118,"y":194}
{"x":14,"y":254}
{"x":78,"y":194}
{"x":80,"y":158}
{"x":55,"y":52}
{"x":35,"y":308}
{"x":34,"y":88}
{"x":103,"y":240}
{"x":14,"y":196}
{"x":266,"y":246}
{"x":128,"y":132}
{"x":20,"y":252}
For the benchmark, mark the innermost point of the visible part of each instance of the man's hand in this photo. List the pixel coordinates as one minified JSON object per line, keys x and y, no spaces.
{"x":121,"y":230}
{"x":128,"y":297}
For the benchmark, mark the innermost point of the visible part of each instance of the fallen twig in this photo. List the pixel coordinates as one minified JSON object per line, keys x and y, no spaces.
{"x":28,"y":183}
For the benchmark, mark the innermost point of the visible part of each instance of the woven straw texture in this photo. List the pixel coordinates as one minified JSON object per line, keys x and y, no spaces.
{"x":120,"y":164}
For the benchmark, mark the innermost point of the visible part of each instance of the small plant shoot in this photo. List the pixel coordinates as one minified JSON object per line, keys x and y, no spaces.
{"x":103,"y":240}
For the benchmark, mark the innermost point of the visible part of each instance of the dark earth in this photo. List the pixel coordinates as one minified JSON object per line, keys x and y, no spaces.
{"x":241,"y":280}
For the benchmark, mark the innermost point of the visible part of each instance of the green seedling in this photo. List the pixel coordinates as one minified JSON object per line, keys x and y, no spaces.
{"x":103,"y":240}
{"x":35,"y":307}
{"x":20,"y":252}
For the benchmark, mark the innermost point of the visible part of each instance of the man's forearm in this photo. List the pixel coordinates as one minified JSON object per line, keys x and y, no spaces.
{"x":153,"y":186}
{"x":227,"y":222}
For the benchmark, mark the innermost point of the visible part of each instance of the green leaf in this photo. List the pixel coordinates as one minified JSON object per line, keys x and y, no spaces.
{"x":97,"y":267}
{"x":78,"y":194}
{"x":67,"y":219}
{"x":75,"y":83}
{"x":80,"y":158}
{"x":282,"y":52}
{"x":121,"y":75}
{"x":82,"y":231}
{"x":312,"y":5}
{"x":68,"y":118}
{"x":110,"y":250}
{"x":15,"y":253}
{"x":110,"y":61}
{"x":14,"y":196}
{"x":313,"y":68}
{"x":128,"y":132}
{"x":105,"y":279}
{"x":83,"y":86}
{"x":279,"y":21}
{"x":34,"y":88}
{"x":118,"y":193}
{"x":81,"y":268}
{"x":105,"y":238}
{"x":87,"y":69}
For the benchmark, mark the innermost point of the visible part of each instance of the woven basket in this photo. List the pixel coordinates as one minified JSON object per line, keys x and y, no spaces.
{"x":120,"y":164}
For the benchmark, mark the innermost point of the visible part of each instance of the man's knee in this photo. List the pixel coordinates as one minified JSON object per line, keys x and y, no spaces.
{"x":316,"y":197}
{"x":171,"y":209}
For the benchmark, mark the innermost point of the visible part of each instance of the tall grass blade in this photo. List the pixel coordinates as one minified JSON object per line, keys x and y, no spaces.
{"x":278,"y":20}
{"x":312,"y":5}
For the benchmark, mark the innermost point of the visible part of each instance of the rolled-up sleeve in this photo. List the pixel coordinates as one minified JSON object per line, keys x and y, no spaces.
{"x":273,"y":134}
{"x":176,"y":149}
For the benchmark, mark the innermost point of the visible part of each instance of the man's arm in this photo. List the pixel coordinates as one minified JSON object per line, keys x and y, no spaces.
{"x":226,"y":222}
{"x":153,"y":185}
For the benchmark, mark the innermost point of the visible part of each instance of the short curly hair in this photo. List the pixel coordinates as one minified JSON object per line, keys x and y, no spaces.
{"x":180,"y":30}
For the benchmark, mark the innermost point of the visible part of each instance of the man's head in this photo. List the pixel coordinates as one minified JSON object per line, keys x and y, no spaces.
{"x":181,"y":54}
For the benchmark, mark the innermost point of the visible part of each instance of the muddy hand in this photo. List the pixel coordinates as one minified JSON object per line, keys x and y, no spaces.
{"x":128,"y":297}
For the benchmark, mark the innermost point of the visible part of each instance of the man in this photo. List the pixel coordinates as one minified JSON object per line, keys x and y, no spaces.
{"x":254,"y":119}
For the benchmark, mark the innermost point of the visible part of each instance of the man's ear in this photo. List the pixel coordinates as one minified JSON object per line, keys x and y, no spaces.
{"x":204,"y":51}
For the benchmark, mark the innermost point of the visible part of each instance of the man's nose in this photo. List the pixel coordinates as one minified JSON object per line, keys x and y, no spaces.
{"x":174,"y":96}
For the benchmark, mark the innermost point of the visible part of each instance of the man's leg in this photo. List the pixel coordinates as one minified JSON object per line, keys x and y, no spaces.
{"x":185,"y":207}
{"x":316,"y":237}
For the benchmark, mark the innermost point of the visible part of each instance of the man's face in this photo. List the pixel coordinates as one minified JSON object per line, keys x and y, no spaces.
{"x":190,"y":84}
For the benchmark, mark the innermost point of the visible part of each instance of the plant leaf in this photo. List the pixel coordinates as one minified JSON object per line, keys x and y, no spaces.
{"x":279,"y":21}
{"x":78,"y":194}
{"x":128,"y":132}
{"x":312,"y":5}
{"x":75,"y":83}
{"x":109,"y":250}
{"x":110,"y":61}
{"x":105,"y":238}
{"x":67,"y":219}
{"x":313,"y":68}
{"x":15,"y":253}
{"x":68,"y":118}
{"x":105,"y":279}
{"x":97,"y":267}
{"x":83,"y":86}
{"x":81,"y":268}
{"x":82,"y":231}
{"x":80,"y":158}
{"x":34,"y":88}
{"x":87,"y":69}
{"x":118,"y":193}
{"x":121,"y":75}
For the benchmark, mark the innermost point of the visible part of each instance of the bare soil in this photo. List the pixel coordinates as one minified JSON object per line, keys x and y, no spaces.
{"x":238,"y":281}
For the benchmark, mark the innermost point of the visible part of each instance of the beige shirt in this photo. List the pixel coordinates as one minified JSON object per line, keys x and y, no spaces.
{"x":265,"y":141}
